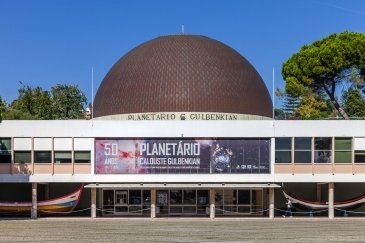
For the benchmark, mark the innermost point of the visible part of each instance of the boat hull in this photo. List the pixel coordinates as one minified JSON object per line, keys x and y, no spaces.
{"x":64,"y":204}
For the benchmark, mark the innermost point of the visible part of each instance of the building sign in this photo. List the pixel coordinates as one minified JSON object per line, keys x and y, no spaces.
{"x":181,"y":116}
{"x":176,"y":156}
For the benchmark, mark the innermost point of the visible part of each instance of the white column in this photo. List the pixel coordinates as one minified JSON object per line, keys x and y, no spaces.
{"x":34,"y":201}
{"x":271,"y":202}
{"x":331,"y":211}
{"x":93,"y":202}
{"x":212,"y":203}
{"x":153,"y":203}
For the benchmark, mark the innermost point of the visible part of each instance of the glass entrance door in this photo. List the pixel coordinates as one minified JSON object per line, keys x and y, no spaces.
{"x":121,"y":201}
{"x":162,"y":202}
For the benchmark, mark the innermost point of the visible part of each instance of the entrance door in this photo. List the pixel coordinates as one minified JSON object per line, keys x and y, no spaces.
{"x":121,"y":201}
{"x":162,"y":202}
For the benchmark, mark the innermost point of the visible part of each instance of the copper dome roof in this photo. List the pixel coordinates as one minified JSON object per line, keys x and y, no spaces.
{"x":182,"y":73}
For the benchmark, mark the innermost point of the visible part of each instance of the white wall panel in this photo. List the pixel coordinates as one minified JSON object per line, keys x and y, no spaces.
{"x":359,"y":143}
{"x":42,"y":143}
{"x":22,"y":143}
{"x":63,"y":144}
{"x":83,"y":144}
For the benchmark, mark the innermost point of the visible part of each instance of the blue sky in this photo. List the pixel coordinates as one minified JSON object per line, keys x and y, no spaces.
{"x":45,"y":42}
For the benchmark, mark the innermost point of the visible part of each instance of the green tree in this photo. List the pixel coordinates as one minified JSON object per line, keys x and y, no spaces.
{"x":2,"y":108}
{"x":311,"y":108}
{"x":69,"y":102}
{"x":290,"y":103}
{"x":32,"y":103}
{"x":323,"y":65}
{"x":280,"y":114}
{"x":354,"y":103}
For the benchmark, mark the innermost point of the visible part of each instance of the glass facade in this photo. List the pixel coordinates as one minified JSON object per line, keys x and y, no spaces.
{"x":283,"y":150}
{"x":5,"y":150}
{"x":182,"y":202}
{"x":302,"y":150}
{"x":82,"y":157}
{"x":239,"y":202}
{"x":126,"y":202}
{"x":22,"y":157}
{"x":322,"y":150}
{"x":343,"y":150}
{"x":63,"y":157}
{"x":359,"y":156}
{"x":42,"y":157}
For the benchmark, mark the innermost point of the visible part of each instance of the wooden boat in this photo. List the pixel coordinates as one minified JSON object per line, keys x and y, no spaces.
{"x":346,"y":204}
{"x":63,"y":204}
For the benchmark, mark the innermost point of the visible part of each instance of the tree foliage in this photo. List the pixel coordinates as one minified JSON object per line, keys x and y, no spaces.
{"x":311,"y":108}
{"x":63,"y":102}
{"x":32,"y":103}
{"x":290,"y":103}
{"x":354,"y":103}
{"x":321,"y":67}
{"x":2,"y":108}
{"x":69,"y":102}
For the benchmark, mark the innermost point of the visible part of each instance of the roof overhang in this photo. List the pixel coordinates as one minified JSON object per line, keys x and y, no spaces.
{"x":183,"y":185}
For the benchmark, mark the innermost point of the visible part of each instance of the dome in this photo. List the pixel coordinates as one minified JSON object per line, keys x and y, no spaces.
{"x":182,"y":73}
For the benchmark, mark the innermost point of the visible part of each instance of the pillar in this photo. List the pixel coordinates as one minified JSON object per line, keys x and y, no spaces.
{"x":331,"y":211}
{"x":34,"y":201}
{"x":212,"y":203}
{"x":271,"y":202}
{"x":319,"y":192}
{"x":153,"y":203}
{"x":93,"y":202}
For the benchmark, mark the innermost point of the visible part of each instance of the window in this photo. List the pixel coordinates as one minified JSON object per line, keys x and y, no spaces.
{"x":302,"y":150}
{"x":82,"y":157}
{"x":135,"y":197}
{"x":22,"y":157}
{"x":283,"y":150}
{"x":176,"y":197}
{"x":62,"y":157}
{"x":189,"y":196}
{"x":322,"y":150}
{"x":42,"y":157}
{"x":5,"y":150}
{"x":359,"y":156}
{"x":343,"y":150}
{"x":244,"y":196}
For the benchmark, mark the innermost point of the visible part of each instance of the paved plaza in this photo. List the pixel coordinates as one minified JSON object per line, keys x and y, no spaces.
{"x":182,"y":230}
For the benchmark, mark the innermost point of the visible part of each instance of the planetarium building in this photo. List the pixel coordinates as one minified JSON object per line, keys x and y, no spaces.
{"x":182,"y":126}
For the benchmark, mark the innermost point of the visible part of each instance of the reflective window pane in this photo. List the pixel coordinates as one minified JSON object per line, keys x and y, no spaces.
{"x":135,"y":196}
{"x":302,"y":156}
{"x":176,"y":197}
{"x":22,"y":157}
{"x":343,"y":143}
{"x":322,"y":156}
{"x":42,"y":157}
{"x":189,"y":196}
{"x":82,"y":157}
{"x":302,"y":143}
{"x":343,"y":157}
{"x":283,"y":143}
{"x":61,"y":157}
{"x":244,"y":196}
{"x":359,"y":156}
{"x":323,"y":143}
{"x":230,"y":197}
{"x":282,"y":157}
{"x":5,"y":144}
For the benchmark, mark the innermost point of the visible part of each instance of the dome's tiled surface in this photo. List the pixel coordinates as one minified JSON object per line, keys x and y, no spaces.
{"x":182,"y":73}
